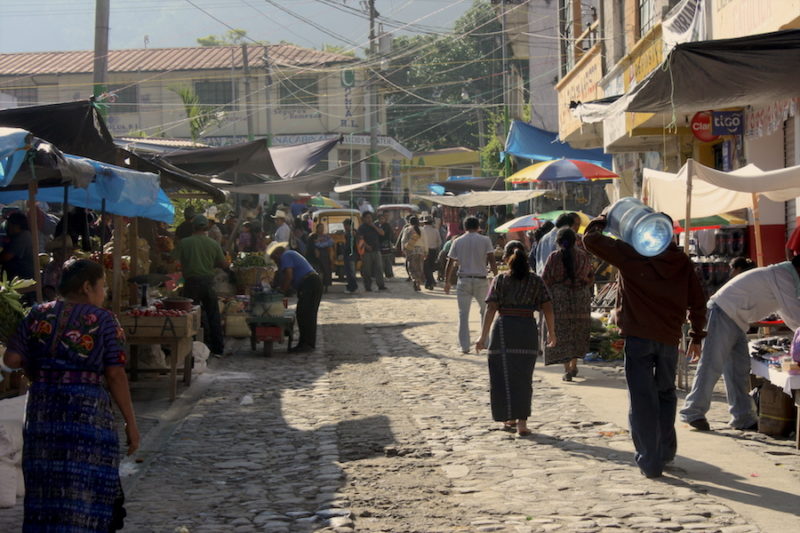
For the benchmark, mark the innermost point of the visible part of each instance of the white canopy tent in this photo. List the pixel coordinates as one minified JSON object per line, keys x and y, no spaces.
{"x":482,"y":198}
{"x":699,"y":191}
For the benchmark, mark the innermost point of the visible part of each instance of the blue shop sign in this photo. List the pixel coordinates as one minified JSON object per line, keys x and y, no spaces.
{"x":727,"y":122}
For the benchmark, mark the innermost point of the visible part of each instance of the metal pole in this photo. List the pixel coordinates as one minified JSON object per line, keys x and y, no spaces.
{"x":247,"y":102}
{"x":101,"y":15}
{"x":374,"y":165}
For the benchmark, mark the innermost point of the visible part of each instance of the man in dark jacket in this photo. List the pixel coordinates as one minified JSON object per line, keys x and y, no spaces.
{"x":655,"y":294}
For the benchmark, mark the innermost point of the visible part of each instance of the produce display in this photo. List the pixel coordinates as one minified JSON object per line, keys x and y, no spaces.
{"x":249,"y":260}
{"x":11,"y":310}
{"x":157,"y":310}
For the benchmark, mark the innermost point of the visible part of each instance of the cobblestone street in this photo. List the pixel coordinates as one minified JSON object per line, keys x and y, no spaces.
{"x":386,"y":427}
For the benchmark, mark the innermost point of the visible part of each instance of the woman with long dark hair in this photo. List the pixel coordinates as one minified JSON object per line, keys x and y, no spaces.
{"x":72,"y":351}
{"x":514,"y":296}
{"x":414,"y":247}
{"x":568,"y":275}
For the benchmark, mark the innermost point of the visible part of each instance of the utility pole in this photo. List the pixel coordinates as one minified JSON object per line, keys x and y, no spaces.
{"x":267,"y":96}
{"x":247,"y":103}
{"x":374,"y":163}
{"x":101,"y":16}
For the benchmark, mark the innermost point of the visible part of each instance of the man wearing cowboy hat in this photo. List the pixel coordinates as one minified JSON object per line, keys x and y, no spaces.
{"x":295,"y":272}
{"x":283,"y":232}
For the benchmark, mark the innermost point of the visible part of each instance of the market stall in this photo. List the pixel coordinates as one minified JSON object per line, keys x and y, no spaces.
{"x":779,"y":405}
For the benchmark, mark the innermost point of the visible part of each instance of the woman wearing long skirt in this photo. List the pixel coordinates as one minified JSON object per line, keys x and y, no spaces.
{"x":72,"y":351}
{"x":568,"y":276}
{"x":513,"y":345}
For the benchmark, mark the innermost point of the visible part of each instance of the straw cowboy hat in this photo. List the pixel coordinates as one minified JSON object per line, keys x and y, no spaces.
{"x":275,"y":245}
{"x":279,"y":214}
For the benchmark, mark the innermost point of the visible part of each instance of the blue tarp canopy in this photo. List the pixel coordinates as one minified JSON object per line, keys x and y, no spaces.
{"x":126,"y":192}
{"x":529,"y":142}
{"x":161,"y":210}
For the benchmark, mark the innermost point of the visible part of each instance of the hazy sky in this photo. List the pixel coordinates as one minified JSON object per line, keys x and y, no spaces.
{"x":52,"y":25}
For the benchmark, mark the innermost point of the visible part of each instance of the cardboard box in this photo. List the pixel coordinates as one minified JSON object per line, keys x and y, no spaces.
{"x":776,"y":412}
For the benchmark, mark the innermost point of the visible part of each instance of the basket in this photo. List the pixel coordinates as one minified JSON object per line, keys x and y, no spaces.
{"x":248,"y":277}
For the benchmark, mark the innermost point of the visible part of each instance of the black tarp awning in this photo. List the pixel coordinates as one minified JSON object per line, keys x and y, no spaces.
{"x":254,"y":157}
{"x":78,"y":128}
{"x":722,"y":73}
{"x":704,"y":75}
{"x":321,"y":182}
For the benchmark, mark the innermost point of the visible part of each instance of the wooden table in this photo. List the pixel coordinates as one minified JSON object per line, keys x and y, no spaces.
{"x":174,"y":333}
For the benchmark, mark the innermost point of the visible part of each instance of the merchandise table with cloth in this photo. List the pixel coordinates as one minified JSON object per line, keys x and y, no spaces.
{"x":788,"y":383}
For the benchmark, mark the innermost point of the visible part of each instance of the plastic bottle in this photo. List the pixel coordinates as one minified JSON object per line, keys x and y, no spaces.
{"x":638,"y":225}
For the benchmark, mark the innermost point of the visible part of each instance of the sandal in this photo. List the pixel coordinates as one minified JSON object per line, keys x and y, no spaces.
{"x":510,"y":427}
{"x":524,"y":432}
{"x":567,"y":376}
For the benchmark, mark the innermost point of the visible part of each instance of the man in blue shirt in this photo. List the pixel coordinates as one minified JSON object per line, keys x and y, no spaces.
{"x":296,"y":273}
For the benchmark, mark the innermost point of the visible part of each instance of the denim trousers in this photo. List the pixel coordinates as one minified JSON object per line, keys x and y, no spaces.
{"x":466,"y":290}
{"x":350,"y":272}
{"x":650,"y":373}
{"x":387,"y":258}
{"x":372,"y":267}
{"x":724,"y":354}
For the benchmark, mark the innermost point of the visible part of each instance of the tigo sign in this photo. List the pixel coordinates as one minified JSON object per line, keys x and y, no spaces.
{"x":701,"y":127}
{"x":727,"y":123}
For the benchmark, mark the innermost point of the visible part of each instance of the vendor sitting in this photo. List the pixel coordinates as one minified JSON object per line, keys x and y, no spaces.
{"x":62,"y":249}
{"x":294,"y":272}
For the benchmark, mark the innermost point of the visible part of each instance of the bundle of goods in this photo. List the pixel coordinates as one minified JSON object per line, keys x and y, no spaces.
{"x":11,"y":310}
{"x":251,"y":271}
{"x":605,"y":342}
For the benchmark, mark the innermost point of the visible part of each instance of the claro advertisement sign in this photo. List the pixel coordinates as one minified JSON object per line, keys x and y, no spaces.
{"x":707,"y":126}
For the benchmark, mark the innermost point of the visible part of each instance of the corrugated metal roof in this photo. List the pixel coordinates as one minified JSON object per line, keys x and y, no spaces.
{"x":164,"y":59}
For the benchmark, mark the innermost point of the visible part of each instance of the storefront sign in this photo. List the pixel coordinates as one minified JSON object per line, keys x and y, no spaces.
{"x":763,"y":121}
{"x":580,"y":85}
{"x":701,"y":127}
{"x":727,"y":123}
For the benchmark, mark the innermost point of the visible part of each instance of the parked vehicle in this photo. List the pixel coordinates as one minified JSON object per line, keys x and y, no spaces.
{"x":333,"y":220}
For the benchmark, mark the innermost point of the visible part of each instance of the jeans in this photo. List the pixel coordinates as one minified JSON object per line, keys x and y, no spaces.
{"x":388,"y":264}
{"x":309,"y":294}
{"x":430,"y":267}
{"x":201,"y":290}
{"x":650,"y":372}
{"x":372,"y":267}
{"x":724,"y":353}
{"x":466,"y":290}
{"x":350,"y":272}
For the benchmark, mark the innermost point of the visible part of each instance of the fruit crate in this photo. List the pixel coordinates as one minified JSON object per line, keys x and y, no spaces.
{"x":161,"y":326}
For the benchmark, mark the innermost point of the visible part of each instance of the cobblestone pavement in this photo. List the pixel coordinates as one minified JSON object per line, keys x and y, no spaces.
{"x":386,"y":427}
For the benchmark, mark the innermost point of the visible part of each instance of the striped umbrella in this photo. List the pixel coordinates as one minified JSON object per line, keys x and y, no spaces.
{"x":561,"y":170}
{"x":523,"y":223}
{"x":712,"y":222}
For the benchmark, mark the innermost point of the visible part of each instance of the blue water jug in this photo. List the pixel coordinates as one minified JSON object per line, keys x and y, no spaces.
{"x":638,"y":225}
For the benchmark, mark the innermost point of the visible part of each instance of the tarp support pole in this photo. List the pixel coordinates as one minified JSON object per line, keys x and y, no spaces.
{"x":103,"y":225}
{"x":757,"y":231}
{"x":688,"y":218}
{"x":33,"y":223}
{"x":133,"y":244}
{"x":65,"y":222}
{"x":116,"y":276}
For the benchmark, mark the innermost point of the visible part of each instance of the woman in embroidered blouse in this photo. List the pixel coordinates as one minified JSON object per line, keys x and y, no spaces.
{"x":513,"y":346}
{"x":568,"y":276}
{"x":68,"y":348}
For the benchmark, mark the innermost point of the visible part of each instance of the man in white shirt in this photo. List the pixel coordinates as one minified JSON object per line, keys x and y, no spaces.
{"x":283,"y":232}
{"x":472,"y":251}
{"x":745,"y":299}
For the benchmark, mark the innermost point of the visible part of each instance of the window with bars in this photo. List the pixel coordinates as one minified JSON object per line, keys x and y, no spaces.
{"x":300,"y":92}
{"x":25,"y":95}
{"x":647,"y":16}
{"x":567,"y":37}
{"x":216,"y":93}
{"x":126,"y":99}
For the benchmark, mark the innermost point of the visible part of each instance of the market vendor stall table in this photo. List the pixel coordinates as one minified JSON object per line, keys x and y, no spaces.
{"x":788,"y":383}
{"x":173,"y":332}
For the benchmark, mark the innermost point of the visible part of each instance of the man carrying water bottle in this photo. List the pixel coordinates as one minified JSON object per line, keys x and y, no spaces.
{"x":655,"y":293}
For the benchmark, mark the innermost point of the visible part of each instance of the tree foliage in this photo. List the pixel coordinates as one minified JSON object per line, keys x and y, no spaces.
{"x":200,"y":116}
{"x":231,"y":37}
{"x":441,"y":88}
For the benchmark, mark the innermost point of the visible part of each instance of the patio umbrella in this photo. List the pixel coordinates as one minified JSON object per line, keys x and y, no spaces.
{"x":553,"y":215}
{"x":561,"y":170}
{"x":324,"y":201}
{"x":523,"y":223}
{"x":712,"y":222}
